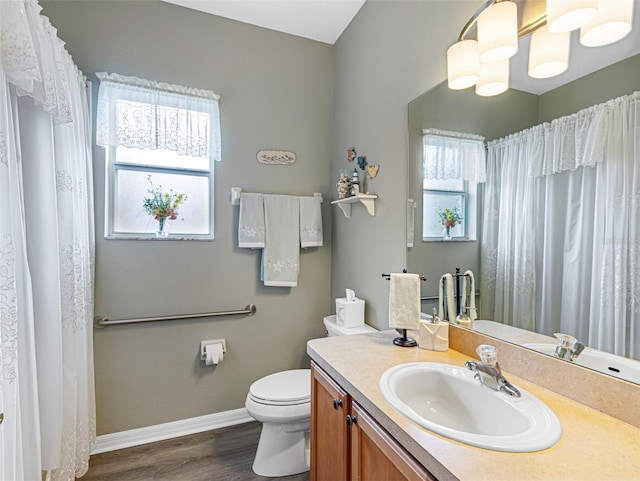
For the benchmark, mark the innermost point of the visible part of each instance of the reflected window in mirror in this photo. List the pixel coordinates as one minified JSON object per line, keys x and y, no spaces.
{"x":453,"y":163}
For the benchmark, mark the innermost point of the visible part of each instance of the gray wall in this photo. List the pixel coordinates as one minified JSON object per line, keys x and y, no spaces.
{"x":390,"y":53}
{"x":619,"y":79}
{"x":276,"y":92}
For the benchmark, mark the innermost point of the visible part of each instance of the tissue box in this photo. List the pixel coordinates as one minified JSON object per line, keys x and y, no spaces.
{"x":350,"y":314}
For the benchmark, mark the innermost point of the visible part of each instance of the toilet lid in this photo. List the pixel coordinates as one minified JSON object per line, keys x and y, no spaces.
{"x":283,"y":387}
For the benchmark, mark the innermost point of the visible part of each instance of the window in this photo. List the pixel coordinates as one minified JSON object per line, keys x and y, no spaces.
{"x":157,"y":137}
{"x":453,"y":164}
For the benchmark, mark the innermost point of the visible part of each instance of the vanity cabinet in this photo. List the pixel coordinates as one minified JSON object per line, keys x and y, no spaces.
{"x":348,"y":444}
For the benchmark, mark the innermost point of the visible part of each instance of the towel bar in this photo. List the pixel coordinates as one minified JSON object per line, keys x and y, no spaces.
{"x":103,"y":321}
{"x":236,"y":191}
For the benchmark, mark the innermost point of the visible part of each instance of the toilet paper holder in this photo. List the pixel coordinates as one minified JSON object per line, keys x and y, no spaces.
{"x":204,"y":344}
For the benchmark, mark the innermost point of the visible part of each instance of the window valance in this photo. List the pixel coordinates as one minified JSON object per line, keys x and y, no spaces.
{"x":566,"y":143}
{"x":453,"y":155}
{"x":35,"y":60}
{"x":139,"y":113}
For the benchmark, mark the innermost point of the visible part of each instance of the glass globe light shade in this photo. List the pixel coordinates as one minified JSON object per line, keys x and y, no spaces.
{"x":612,"y":23}
{"x":498,"y":32}
{"x":568,"y":15}
{"x":494,"y":78}
{"x":548,"y":53}
{"x":463,"y":66}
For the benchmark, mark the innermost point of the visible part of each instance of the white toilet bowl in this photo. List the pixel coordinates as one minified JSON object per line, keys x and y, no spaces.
{"x":282,"y":403}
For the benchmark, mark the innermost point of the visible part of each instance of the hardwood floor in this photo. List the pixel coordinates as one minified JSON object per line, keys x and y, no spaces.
{"x":222,"y":455}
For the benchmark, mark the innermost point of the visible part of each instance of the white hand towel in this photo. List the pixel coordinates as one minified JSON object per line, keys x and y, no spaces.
{"x":446,"y":303}
{"x":310,"y":222}
{"x":281,"y":254}
{"x":251,"y":221}
{"x":469,"y":295}
{"x":404,"y":301}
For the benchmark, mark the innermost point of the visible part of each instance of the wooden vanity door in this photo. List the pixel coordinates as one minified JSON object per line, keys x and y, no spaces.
{"x":329,"y":433}
{"x":376,"y":456}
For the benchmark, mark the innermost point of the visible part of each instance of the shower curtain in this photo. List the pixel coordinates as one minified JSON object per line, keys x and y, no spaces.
{"x":46,"y":253}
{"x":560,"y":248}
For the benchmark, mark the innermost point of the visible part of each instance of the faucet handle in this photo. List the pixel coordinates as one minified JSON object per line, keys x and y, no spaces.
{"x":568,"y":347}
{"x":488,"y":354}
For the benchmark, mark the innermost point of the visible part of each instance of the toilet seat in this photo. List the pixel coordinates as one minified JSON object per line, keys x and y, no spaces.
{"x":286,"y":388}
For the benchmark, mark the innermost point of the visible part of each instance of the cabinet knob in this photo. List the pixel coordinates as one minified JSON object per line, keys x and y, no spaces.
{"x":351,"y":420}
{"x":337,"y":403}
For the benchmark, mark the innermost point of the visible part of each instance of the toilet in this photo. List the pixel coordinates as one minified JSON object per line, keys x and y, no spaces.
{"x":282,"y":403}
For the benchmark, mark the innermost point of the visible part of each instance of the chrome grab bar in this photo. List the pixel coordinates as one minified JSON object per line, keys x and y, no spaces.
{"x":104,"y":321}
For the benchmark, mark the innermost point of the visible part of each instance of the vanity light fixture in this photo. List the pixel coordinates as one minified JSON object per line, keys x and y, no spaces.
{"x":612,"y":23}
{"x":471,"y":62}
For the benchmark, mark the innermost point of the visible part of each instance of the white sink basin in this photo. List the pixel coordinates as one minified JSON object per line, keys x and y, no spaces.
{"x":604,"y":362}
{"x":448,"y":400}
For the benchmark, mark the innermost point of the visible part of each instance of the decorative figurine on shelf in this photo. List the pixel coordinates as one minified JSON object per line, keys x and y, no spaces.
{"x":344,"y":185}
{"x":351,"y":154}
{"x":355,"y":182}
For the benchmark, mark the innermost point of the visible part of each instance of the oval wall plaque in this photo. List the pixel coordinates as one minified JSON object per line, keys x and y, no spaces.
{"x":276,"y":157}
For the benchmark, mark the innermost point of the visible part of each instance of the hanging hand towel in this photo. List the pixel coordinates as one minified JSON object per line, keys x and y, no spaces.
{"x":446,"y":303}
{"x":469,"y":295}
{"x":310,"y":222}
{"x":281,"y":254}
{"x":251,"y":221}
{"x":404,"y":301}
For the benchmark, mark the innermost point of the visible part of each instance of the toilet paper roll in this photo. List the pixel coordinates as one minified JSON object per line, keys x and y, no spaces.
{"x":214,"y":354}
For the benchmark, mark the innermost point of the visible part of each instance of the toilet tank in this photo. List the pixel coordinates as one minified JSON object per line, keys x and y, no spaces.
{"x":333,"y":329}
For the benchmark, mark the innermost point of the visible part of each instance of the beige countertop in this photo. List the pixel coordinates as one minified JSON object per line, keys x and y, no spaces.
{"x":594,"y":446}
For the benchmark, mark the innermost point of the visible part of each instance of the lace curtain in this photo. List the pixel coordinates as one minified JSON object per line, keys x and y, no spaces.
{"x":46,"y":253}
{"x":561,"y":252}
{"x":141,"y":114}
{"x":453,"y":155}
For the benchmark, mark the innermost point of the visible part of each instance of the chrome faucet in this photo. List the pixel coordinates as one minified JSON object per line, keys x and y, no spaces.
{"x":568,"y":347}
{"x":488,"y":371}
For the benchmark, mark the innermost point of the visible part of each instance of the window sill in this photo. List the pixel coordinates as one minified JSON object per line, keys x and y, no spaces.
{"x":436,"y":239}
{"x":171,"y":237}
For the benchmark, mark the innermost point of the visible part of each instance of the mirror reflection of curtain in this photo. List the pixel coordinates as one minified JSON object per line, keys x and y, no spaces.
{"x":46,"y":253}
{"x":561,"y":245}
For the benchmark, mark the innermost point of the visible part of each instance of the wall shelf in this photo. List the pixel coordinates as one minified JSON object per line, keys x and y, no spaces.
{"x":368,"y":200}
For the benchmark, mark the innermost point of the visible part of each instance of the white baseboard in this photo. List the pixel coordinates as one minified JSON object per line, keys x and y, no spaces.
{"x":159,"y":432}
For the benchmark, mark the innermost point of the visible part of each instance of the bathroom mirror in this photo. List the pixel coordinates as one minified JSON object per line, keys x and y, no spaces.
{"x":492,"y":118}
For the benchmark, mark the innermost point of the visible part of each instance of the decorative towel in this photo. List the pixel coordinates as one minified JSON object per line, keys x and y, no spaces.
{"x":446,"y":303}
{"x":469,"y":295}
{"x":251,"y":221}
{"x":404,"y":301}
{"x":310,"y":222}
{"x":281,"y":254}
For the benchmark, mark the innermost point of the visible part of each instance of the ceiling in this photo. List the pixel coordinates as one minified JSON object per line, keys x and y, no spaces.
{"x":321,"y":20}
{"x":325,"y":20}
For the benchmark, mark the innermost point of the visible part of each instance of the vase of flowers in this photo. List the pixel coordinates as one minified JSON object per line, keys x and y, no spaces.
{"x":162,"y":206}
{"x":448,"y":218}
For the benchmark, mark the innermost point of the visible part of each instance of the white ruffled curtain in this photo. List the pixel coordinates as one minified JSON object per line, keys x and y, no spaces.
{"x":140,"y":113}
{"x":46,"y":253}
{"x":561,"y":245}
{"x":453,"y":155}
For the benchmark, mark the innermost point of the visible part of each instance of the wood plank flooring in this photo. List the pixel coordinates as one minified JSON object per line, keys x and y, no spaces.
{"x":221,"y":455}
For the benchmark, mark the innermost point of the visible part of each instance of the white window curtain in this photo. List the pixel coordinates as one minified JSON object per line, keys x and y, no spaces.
{"x":453,"y":155}
{"x":560,"y":252}
{"x":46,"y":253}
{"x":139,"y":113}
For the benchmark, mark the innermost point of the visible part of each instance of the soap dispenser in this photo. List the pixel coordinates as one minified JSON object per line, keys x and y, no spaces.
{"x":464,"y":320}
{"x":434,"y":334}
